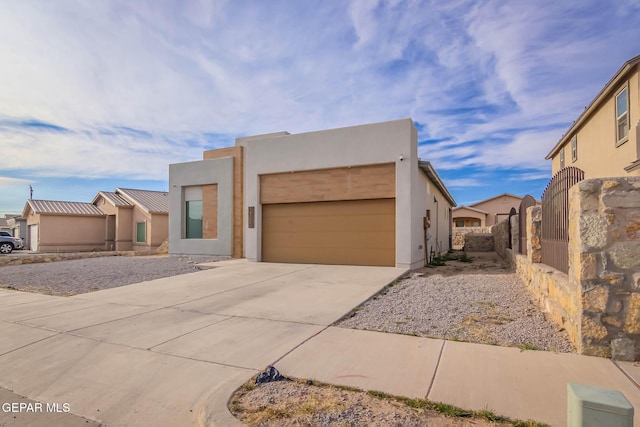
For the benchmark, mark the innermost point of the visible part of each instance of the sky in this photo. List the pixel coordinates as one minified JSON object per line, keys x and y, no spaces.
{"x":96,"y":95}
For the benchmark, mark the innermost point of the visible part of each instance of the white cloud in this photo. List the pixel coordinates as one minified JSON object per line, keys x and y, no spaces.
{"x":7,"y":181}
{"x":499,"y":81}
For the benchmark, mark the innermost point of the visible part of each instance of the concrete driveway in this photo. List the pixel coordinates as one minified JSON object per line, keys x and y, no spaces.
{"x":171,"y":351}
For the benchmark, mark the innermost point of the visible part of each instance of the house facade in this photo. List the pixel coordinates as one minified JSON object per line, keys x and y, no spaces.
{"x":135,"y":219}
{"x":57,"y":226}
{"x":357,"y":195}
{"x":486,"y":212}
{"x":605,"y":139}
{"x":123,"y":220}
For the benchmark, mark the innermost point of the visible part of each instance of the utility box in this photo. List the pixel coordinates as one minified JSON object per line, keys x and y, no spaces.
{"x":590,"y":406}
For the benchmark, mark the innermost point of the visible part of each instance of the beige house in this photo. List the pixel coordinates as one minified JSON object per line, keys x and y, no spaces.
{"x":486,"y":212}
{"x":357,"y":195}
{"x":56,"y":226}
{"x":465,"y":216}
{"x":126,"y":219}
{"x":605,"y":139}
{"x":136,"y":219}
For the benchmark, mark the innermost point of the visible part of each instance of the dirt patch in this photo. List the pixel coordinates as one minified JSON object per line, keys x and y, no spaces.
{"x":459,"y":262}
{"x":300,"y":403}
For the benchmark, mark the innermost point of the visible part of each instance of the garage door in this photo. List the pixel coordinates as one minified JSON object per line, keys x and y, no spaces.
{"x":352,"y":232}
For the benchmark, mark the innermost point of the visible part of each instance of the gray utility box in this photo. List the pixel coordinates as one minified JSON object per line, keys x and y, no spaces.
{"x":590,"y":406}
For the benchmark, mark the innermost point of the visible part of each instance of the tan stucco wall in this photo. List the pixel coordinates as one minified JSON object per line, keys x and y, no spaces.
{"x":159,"y":229}
{"x":598,"y":155}
{"x":501,"y":205}
{"x":64,"y":233}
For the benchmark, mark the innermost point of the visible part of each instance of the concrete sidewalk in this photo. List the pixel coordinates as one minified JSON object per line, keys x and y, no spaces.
{"x":518,"y":384}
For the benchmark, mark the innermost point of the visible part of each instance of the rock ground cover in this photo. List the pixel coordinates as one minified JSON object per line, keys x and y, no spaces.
{"x":479,"y":301}
{"x":65,"y":278}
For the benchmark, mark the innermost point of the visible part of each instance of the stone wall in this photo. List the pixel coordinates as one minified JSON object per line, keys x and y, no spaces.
{"x":598,"y":302}
{"x":604,"y":258}
{"x":475,"y":242}
{"x":500,"y":232}
{"x":460,"y":232}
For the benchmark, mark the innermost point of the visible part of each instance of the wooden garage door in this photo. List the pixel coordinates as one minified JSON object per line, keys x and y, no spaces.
{"x":352,"y":232}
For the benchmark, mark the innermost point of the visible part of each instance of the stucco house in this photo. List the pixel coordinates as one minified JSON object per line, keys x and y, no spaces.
{"x":17,"y":226}
{"x":604,"y":141}
{"x":135,"y":219}
{"x":487,"y":212}
{"x":57,"y":226}
{"x":355,"y":195}
{"x":126,"y":219}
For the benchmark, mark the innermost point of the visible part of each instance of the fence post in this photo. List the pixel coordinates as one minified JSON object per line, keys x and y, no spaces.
{"x":534,"y":220}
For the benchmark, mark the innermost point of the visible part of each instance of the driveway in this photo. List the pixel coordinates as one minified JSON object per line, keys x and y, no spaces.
{"x":171,"y":351}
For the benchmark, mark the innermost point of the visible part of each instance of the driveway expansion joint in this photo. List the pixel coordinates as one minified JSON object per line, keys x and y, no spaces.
{"x":435,"y":370}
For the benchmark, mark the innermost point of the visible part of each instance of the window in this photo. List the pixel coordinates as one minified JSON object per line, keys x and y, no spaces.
{"x":622,"y":116}
{"x":574,"y":148}
{"x":562,"y":158}
{"x":459,"y":223}
{"x":141,"y":232}
{"x":194,"y":219}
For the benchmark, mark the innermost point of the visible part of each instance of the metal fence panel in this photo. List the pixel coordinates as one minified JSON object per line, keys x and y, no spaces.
{"x":555,"y":218}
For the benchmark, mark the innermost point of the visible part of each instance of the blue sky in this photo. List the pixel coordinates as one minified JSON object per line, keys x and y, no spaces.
{"x":99,"y":95}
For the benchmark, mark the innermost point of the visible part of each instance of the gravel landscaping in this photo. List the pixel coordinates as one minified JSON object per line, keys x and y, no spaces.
{"x":66,"y":278}
{"x":462,"y":301}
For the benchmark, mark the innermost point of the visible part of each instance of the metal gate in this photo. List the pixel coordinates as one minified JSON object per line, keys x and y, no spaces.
{"x":512,"y":213}
{"x":555,"y":218}
{"x":522,"y":217}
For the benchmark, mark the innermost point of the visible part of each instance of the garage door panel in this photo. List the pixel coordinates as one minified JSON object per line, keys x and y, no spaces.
{"x":320,"y":224}
{"x":332,"y":240}
{"x":359,"y":232}
{"x":336,"y":256}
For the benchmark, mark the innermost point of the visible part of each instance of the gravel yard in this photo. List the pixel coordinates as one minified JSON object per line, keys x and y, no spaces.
{"x":477,"y":302}
{"x":79,"y":276}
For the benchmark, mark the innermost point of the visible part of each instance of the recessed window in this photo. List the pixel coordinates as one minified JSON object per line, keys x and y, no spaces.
{"x":459,"y":223}
{"x":562,"y":158}
{"x":622,"y":116}
{"x":141,"y":232}
{"x":574,"y":148}
{"x":193,"y":212}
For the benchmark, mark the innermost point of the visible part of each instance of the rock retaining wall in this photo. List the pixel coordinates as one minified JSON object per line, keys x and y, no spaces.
{"x":598,"y":302}
{"x":475,"y":242}
{"x":460,"y":232}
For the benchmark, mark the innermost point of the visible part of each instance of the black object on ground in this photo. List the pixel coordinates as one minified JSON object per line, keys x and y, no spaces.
{"x":269,"y":375}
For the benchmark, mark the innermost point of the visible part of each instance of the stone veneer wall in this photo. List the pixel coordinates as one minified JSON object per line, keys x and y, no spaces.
{"x":604,"y":258}
{"x":598,"y":302}
{"x":476,"y":242}
{"x":500,"y":233}
{"x":460,"y":232}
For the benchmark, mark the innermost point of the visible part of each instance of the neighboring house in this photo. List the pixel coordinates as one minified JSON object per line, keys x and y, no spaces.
{"x":486,"y":212}
{"x":56,"y":226}
{"x":357,"y":195}
{"x":465,"y":216}
{"x":4,"y":226}
{"x":18,"y":226}
{"x":126,"y":219}
{"x":136,"y":219}
{"x":605,"y":139}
